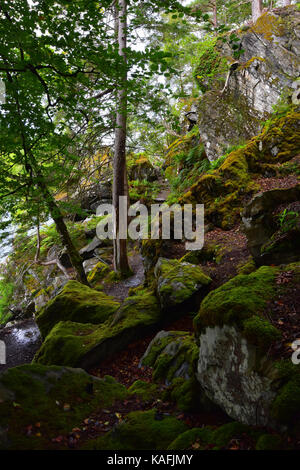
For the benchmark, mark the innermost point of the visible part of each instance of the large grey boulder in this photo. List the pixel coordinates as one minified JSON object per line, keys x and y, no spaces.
{"x":268,"y":65}
{"x":227,"y":373}
{"x":239,"y":365}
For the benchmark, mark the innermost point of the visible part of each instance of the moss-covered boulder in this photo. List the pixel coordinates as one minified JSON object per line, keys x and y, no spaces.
{"x":141,"y":430}
{"x":273,"y":239}
{"x":39,"y":403}
{"x":173,"y":355}
{"x":98,"y":273}
{"x":235,"y":331}
{"x":77,"y":303}
{"x":283,"y":248}
{"x":241,"y":298}
{"x":146,"y":391}
{"x":210,"y":252}
{"x":84,"y":345}
{"x":226,"y":437}
{"x":269,"y":442}
{"x":179,"y":283}
{"x":142,"y":169}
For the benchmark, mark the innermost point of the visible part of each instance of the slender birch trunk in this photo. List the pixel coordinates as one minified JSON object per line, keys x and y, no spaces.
{"x":61,"y":227}
{"x":256,"y":9}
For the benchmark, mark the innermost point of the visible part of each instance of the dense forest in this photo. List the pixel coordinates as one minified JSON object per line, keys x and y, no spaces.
{"x":149,"y":225}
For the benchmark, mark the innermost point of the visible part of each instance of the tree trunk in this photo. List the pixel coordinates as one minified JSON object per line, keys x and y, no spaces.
{"x":60,"y":226}
{"x":256,"y":9}
{"x":121,"y":264}
{"x":215,"y":15}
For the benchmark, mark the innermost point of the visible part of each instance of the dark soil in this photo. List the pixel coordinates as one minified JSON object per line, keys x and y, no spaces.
{"x":284,"y":314}
{"x":236,"y":253}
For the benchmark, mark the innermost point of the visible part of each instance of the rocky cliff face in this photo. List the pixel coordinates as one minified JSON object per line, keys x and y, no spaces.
{"x":263,"y":76}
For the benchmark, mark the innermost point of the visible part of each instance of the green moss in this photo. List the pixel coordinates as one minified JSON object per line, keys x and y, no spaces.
{"x":98,"y":273}
{"x":40,"y":293}
{"x":212,"y":439}
{"x":178,"y":281}
{"x":78,"y":303}
{"x":223,"y":189}
{"x":269,"y":26}
{"x":286,"y":405}
{"x":144,"y":390}
{"x":142,"y":430}
{"x":158,"y":346}
{"x":186,"y":394}
{"x":33,"y":394}
{"x":246,"y":268}
{"x":210,"y":252}
{"x":237,"y":300}
{"x":173,"y":357}
{"x":211,"y":66}
{"x":70,"y":343}
{"x":226,"y":433}
{"x":269,"y":442}
{"x":169,"y":352}
{"x":195,"y":439}
{"x":260,"y":332}
{"x":250,"y":62}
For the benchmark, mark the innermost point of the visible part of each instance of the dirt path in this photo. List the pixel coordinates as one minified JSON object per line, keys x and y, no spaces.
{"x":165,"y":190}
{"x":119,"y":290}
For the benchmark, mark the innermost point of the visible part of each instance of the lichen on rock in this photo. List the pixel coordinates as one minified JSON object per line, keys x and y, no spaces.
{"x":179,"y":282}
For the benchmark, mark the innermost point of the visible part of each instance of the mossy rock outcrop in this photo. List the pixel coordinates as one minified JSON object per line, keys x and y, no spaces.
{"x":241,"y":298}
{"x":98,"y":273}
{"x":235,"y":334}
{"x":210,"y":252}
{"x":173,"y":355}
{"x":76,"y":303}
{"x":84,"y":345}
{"x":284,"y":247}
{"x":260,"y":78}
{"x":224,"y":189}
{"x":142,"y":169}
{"x":39,"y":403}
{"x":179,"y":283}
{"x":141,"y":430}
{"x":269,"y":241}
